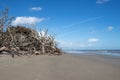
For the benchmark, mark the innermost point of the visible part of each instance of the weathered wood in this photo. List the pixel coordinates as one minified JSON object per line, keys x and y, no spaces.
{"x":3,"y":48}
{"x":30,"y":41}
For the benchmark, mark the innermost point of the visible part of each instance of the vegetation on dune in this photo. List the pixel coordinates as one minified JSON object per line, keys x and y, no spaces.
{"x":19,"y":40}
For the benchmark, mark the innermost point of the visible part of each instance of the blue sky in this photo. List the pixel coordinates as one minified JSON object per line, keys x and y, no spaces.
{"x":78,"y":24}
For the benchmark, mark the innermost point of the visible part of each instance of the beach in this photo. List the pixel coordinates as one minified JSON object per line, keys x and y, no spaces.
{"x":65,"y":67}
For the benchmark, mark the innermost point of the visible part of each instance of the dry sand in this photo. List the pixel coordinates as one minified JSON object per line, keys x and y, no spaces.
{"x":65,"y":67}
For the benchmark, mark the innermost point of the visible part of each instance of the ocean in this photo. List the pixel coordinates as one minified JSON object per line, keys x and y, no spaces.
{"x":103,"y":52}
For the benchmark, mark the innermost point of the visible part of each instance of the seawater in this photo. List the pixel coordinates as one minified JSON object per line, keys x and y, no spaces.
{"x":103,"y":52}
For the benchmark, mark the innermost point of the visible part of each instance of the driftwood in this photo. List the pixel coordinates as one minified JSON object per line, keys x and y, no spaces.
{"x":3,"y":49}
{"x":28,"y":42}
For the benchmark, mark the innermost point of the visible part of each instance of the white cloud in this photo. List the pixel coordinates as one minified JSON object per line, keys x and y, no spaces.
{"x":36,"y":8}
{"x":102,"y":1}
{"x":93,"y":40}
{"x":23,"y":20}
{"x":110,"y":28}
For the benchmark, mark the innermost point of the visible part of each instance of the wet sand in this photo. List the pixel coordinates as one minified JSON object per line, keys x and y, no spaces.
{"x":65,"y":67}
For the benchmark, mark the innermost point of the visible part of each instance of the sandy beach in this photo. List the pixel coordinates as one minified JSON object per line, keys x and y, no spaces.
{"x":65,"y":67}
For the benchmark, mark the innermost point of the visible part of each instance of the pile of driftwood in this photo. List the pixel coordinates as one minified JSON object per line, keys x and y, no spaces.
{"x":25,"y":41}
{"x":20,"y":40}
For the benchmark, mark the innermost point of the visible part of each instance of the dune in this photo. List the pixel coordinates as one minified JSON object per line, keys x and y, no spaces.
{"x":65,"y":67}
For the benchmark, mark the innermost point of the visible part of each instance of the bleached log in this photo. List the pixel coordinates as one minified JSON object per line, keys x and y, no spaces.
{"x":3,"y":48}
{"x":37,"y":53}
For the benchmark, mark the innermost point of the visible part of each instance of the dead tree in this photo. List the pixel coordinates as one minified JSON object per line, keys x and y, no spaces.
{"x":5,"y":23}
